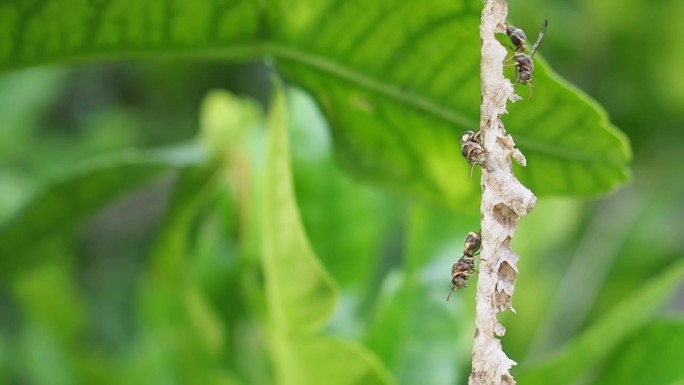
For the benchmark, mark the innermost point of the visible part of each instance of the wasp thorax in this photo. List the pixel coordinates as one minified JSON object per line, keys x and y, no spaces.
{"x":472,"y":243}
{"x":466,"y":137}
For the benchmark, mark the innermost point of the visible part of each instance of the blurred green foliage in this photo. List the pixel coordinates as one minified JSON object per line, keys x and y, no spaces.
{"x":153,"y":231}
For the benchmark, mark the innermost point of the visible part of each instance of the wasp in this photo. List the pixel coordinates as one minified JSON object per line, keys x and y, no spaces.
{"x":517,"y":37}
{"x":465,"y":266}
{"x":472,"y":149}
{"x":524,"y":65}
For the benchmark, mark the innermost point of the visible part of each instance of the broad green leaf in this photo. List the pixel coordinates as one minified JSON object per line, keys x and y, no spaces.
{"x":313,"y":360}
{"x":49,"y":297}
{"x":300,"y":293}
{"x":176,"y":315}
{"x":415,"y":331}
{"x":390,"y":327}
{"x":570,"y":145}
{"x":398,"y":81}
{"x":226,"y":120}
{"x":78,"y":194}
{"x":386,"y":77}
{"x":600,"y":339}
{"x":226,"y":252}
{"x":176,"y":319}
{"x":24,"y":97}
{"x":48,"y":348}
{"x":45,"y":359}
{"x":661,"y":344}
{"x":33,"y":33}
{"x":330,"y":200}
{"x":418,"y":335}
{"x":168,"y":258}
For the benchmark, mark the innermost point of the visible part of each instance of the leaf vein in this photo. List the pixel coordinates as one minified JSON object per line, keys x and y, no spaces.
{"x":355,"y":77}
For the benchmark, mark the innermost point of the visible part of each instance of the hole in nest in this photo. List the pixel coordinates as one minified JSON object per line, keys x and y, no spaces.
{"x":504,"y":215}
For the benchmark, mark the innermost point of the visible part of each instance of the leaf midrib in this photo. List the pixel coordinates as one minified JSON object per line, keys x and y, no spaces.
{"x":320,"y":63}
{"x":324,"y":65}
{"x":371,"y":84}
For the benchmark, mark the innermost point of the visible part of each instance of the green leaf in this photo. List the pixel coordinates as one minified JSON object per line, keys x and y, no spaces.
{"x":395,"y":100}
{"x":570,"y":145}
{"x":45,"y":360}
{"x":300,"y":293}
{"x":180,"y":335}
{"x":42,"y":32}
{"x":170,"y":297}
{"x":398,"y":94}
{"x":80,"y":193}
{"x":330,"y":200}
{"x":325,"y":360}
{"x":600,"y":339}
{"x":398,"y":81}
{"x":661,"y":343}
{"x":226,"y":120}
{"x":168,"y":258}
{"x":415,"y":331}
{"x":49,"y":297}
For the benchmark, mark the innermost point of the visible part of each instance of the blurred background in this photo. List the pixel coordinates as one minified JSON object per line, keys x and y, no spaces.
{"x":75,"y":318}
